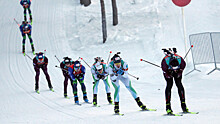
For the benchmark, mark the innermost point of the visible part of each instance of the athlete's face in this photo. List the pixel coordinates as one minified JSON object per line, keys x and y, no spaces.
{"x":77,"y":69}
{"x":118,"y":65}
{"x":100,"y":71}
{"x":67,"y":64}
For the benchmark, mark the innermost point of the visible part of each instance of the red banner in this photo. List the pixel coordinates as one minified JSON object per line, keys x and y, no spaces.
{"x":181,"y":3}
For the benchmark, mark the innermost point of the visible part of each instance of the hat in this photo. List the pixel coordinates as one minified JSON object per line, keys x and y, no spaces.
{"x":77,"y":64}
{"x":67,"y":60}
{"x":117,"y":59}
{"x":98,"y":66}
{"x":40,"y":55}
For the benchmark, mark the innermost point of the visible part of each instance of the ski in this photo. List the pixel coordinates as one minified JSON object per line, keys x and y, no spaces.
{"x":147,"y":109}
{"x":88,"y":102}
{"x":66,"y":97}
{"x":96,"y":105}
{"x":172,"y":115}
{"x":51,"y":89}
{"x":78,"y":104}
{"x":188,"y":112}
{"x":119,"y":114}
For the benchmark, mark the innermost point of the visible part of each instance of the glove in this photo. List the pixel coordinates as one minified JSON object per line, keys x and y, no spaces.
{"x":169,"y":73}
{"x":99,"y":76}
{"x":102,"y":77}
{"x":120,"y":71}
{"x":81,"y":75}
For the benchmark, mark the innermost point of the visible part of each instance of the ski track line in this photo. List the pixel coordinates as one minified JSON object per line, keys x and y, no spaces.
{"x":10,"y":68}
{"x":16,"y":82}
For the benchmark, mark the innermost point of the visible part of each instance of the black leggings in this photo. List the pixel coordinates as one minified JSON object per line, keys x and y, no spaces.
{"x":169,"y":87}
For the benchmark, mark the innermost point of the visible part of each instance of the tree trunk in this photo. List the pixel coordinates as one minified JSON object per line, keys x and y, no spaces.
{"x":104,"y":28}
{"x":115,"y":12}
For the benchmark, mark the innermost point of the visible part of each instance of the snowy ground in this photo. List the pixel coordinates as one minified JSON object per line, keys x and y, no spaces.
{"x":65,"y":28}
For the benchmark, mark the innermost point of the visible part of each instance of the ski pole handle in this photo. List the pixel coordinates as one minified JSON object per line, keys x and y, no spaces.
{"x":61,"y":68}
{"x":150,"y":63}
{"x":109,"y":56}
{"x":57,"y":59}
{"x":16,"y":22}
{"x":188,"y":51}
{"x":133,"y":76}
{"x":85,"y":62}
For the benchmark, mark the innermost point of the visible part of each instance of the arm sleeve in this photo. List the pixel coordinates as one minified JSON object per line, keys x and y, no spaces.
{"x":62,"y":67}
{"x":125,"y":67}
{"x":46,"y":60}
{"x":164,"y":66}
{"x":21,"y":28}
{"x":35,"y":62}
{"x":70,"y":70}
{"x":111,"y":73}
{"x":94,"y":73}
{"x":183,"y":64}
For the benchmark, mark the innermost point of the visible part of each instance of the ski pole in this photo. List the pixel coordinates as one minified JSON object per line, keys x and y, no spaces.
{"x":57,"y":59}
{"x":28,"y":56}
{"x":85,"y":62}
{"x":133,"y":76}
{"x":17,"y":22}
{"x":109,"y":56}
{"x":61,"y":68}
{"x":188,"y":51}
{"x":150,"y":63}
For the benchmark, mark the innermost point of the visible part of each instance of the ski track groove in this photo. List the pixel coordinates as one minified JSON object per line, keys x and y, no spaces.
{"x":11,"y":67}
{"x":13,"y":77}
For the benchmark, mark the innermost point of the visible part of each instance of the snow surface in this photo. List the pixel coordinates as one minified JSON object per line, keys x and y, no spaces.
{"x":65,"y":28}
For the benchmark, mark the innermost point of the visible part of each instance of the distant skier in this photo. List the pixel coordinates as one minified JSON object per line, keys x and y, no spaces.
{"x":77,"y":72}
{"x":40,"y":62}
{"x":173,"y":66}
{"x":118,"y":70}
{"x":100,"y":72}
{"x":25,"y":29}
{"x":26,"y":5}
{"x":65,"y":64}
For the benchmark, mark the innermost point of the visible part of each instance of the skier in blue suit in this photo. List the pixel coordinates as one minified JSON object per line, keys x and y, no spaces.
{"x":26,"y":5}
{"x":26,"y":28}
{"x":77,"y":72}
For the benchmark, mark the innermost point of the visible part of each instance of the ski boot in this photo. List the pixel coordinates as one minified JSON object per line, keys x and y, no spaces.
{"x":51,"y":89}
{"x":76,"y":99}
{"x":116,"y":109}
{"x":109,"y":98}
{"x":184,"y":108}
{"x":65,"y":95}
{"x":37,"y":90}
{"x":23,"y":49}
{"x":85,"y":97}
{"x":168,"y":108}
{"x":81,"y":2}
{"x":94,"y":99}
{"x":169,"y":112}
{"x":140,"y":104}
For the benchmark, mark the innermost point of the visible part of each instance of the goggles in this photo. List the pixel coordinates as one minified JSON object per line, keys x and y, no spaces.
{"x":117,"y":64}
